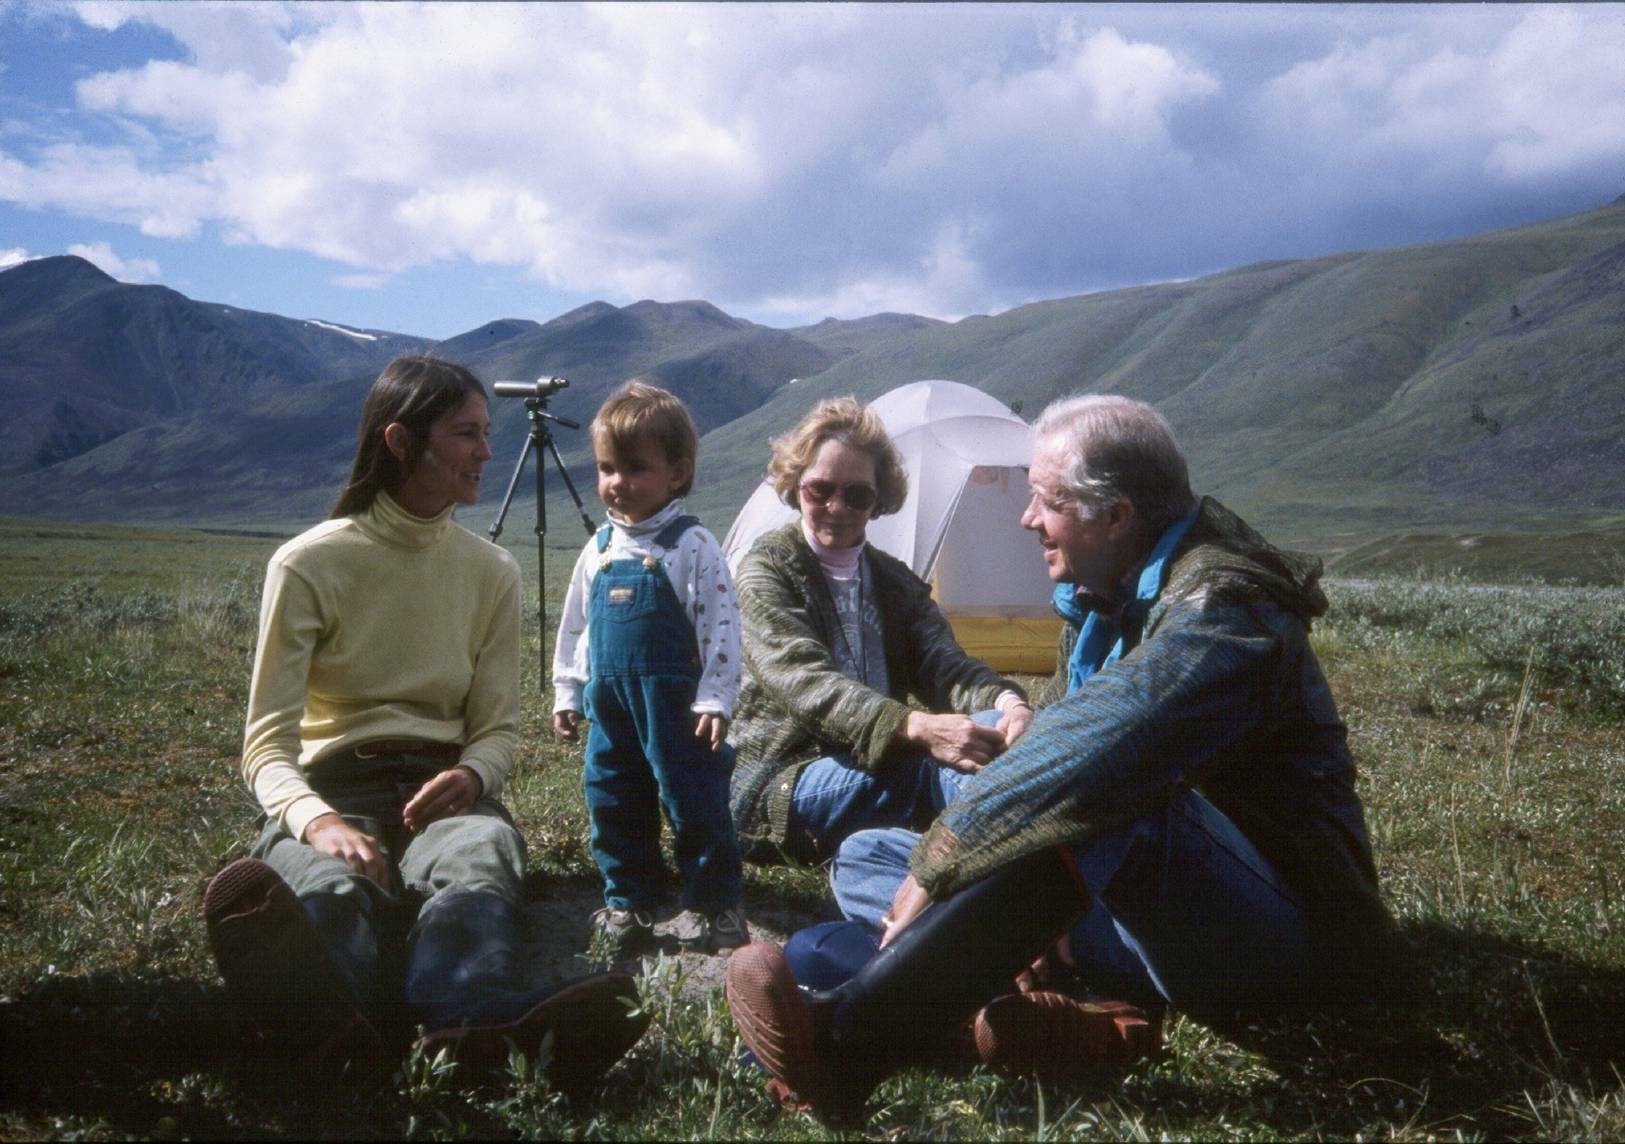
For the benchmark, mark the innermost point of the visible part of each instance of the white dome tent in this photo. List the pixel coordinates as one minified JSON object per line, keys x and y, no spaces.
{"x":967,"y":457}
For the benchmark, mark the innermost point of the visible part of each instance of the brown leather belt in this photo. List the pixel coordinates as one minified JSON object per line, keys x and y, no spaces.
{"x":381,"y":748}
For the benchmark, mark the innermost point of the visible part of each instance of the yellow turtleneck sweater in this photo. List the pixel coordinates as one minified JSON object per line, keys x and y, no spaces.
{"x":381,"y":625}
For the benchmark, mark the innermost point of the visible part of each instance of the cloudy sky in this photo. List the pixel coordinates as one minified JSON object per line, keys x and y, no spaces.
{"x":426,"y":169}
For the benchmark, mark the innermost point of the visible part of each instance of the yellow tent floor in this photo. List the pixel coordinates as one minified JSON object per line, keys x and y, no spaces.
{"x":1010,"y":644}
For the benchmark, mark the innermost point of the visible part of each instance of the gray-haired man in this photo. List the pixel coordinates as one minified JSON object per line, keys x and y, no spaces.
{"x":1190,"y":795}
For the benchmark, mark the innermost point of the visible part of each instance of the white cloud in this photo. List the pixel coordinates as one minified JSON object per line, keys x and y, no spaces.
{"x":945,"y":283}
{"x":15,"y":256}
{"x":125,"y":270}
{"x":634,"y":150}
{"x":840,"y":158}
{"x":223,"y":36}
{"x":1546,"y":98}
{"x":1557,"y":89}
{"x":1099,"y":94}
{"x":111,"y":184}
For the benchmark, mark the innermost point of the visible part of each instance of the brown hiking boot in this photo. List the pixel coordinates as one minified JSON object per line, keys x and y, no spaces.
{"x":277,"y":971}
{"x":776,"y":1024}
{"x":1059,"y":1038}
{"x":594,"y":1022}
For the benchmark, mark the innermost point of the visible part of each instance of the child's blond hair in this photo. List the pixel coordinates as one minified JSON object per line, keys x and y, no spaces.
{"x":638,"y":413}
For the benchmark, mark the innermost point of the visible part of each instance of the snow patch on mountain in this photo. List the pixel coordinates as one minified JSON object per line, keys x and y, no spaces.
{"x":341,"y":330}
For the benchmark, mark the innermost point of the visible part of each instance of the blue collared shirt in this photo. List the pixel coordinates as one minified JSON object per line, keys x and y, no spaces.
{"x":1100,"y":637}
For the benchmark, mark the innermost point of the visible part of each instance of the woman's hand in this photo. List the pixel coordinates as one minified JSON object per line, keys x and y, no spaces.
{"x":564,"y":724}
{"x":905,"y":907}
{"x":958,"y":742}
{"x":448,"y":794}
{"x":1014,"y":722}
{"x":712,"y":728}
{"x":331,"y":835}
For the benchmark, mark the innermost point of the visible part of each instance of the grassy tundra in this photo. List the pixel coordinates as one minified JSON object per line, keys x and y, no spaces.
{"x":1489,"y":723}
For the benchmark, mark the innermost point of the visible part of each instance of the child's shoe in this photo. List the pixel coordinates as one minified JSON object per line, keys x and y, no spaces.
{"x":622,"y":933}
{"x":720,"y":932}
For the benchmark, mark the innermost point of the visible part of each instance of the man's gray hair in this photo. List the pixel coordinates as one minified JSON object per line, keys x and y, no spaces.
{"x":1116,"y":447}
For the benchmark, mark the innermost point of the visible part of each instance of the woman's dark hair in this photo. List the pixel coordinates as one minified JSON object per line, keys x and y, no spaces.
{"x":417,"y":392}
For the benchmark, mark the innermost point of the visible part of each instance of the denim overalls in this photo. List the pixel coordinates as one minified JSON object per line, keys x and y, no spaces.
{"x":642,"y":754}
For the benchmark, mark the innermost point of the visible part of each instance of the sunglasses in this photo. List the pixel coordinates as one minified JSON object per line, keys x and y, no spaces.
{"x":856,"y":496}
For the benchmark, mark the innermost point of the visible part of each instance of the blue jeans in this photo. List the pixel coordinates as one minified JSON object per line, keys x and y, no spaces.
{"x":1185,"y":908}
{"x":835,"y":799}
{"x":642,"y":755}
{"x":642,"y":758}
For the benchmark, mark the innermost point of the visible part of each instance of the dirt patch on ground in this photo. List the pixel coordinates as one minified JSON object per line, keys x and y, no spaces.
{"x":560,"y":931}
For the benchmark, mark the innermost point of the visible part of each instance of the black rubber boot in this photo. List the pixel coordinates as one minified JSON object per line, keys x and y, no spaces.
{"x":365,"y":950}
{"x":464,"y":981}
{"x":909,"y":1003}
{"x":279,"y":970}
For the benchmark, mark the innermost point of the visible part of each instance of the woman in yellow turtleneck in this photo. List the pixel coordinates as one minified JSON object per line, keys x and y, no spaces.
{"x":385,"y":888}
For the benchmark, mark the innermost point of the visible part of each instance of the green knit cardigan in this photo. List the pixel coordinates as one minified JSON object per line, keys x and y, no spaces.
{"x":796,"y":706}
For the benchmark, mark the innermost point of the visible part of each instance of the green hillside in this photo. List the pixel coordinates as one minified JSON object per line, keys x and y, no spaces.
{"x":1461,"y":387}
{"x":1477,"y":383}
{"x":1593,"y":557}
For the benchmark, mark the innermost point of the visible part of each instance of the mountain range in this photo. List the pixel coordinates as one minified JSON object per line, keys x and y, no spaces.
{"x":1474,"y":383}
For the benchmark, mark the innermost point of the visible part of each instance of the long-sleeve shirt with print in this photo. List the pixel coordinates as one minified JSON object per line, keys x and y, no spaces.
{"x":381,"y":625}
{"x":699,"y":576}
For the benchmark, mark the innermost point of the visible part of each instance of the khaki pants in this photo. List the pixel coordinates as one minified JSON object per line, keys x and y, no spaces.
{"x":479,"y":850}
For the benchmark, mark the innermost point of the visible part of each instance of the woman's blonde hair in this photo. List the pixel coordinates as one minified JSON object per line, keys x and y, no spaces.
{"x":845,"y":420}
{"x":638,"y":413}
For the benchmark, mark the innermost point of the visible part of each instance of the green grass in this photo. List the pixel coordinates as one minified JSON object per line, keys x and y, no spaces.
{"x":1595,"y":556}
{"x":1490,"y":727}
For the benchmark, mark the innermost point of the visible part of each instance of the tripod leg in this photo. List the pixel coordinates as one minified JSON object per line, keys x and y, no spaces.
{"x":569,"y":484}
{"x":531,"y":442}
{"x":507,"y":497}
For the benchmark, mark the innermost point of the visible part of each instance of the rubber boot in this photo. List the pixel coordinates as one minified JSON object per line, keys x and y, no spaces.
{"x":832,"y":1048}
{"x":279,"y":973}
{"x":464,"y":981}
{"x":366,"y":952}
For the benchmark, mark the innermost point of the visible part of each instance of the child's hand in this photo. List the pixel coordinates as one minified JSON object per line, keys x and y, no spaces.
{"x":712,"y":728}
{"x":564,"y":724}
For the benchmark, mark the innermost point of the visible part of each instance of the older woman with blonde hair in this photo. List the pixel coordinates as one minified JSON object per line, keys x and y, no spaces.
{"x":837,"y":637}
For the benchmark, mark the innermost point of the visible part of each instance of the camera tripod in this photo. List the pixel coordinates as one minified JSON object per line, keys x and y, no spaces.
{"x":539,"y":441}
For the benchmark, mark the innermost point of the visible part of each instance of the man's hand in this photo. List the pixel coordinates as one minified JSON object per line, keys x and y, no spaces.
{"x":564,"y":724}
{"x":331,"y":835}
{"x":1014,"y":722}
{"x":448,"y":794}
{"x":712,"y":728}
{"x":958,"y":742}
{"x":905,"y":907}
{"x":1050,"y":967}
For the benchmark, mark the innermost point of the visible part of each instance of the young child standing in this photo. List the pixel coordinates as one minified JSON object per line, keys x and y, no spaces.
{"x":648,"y":650}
